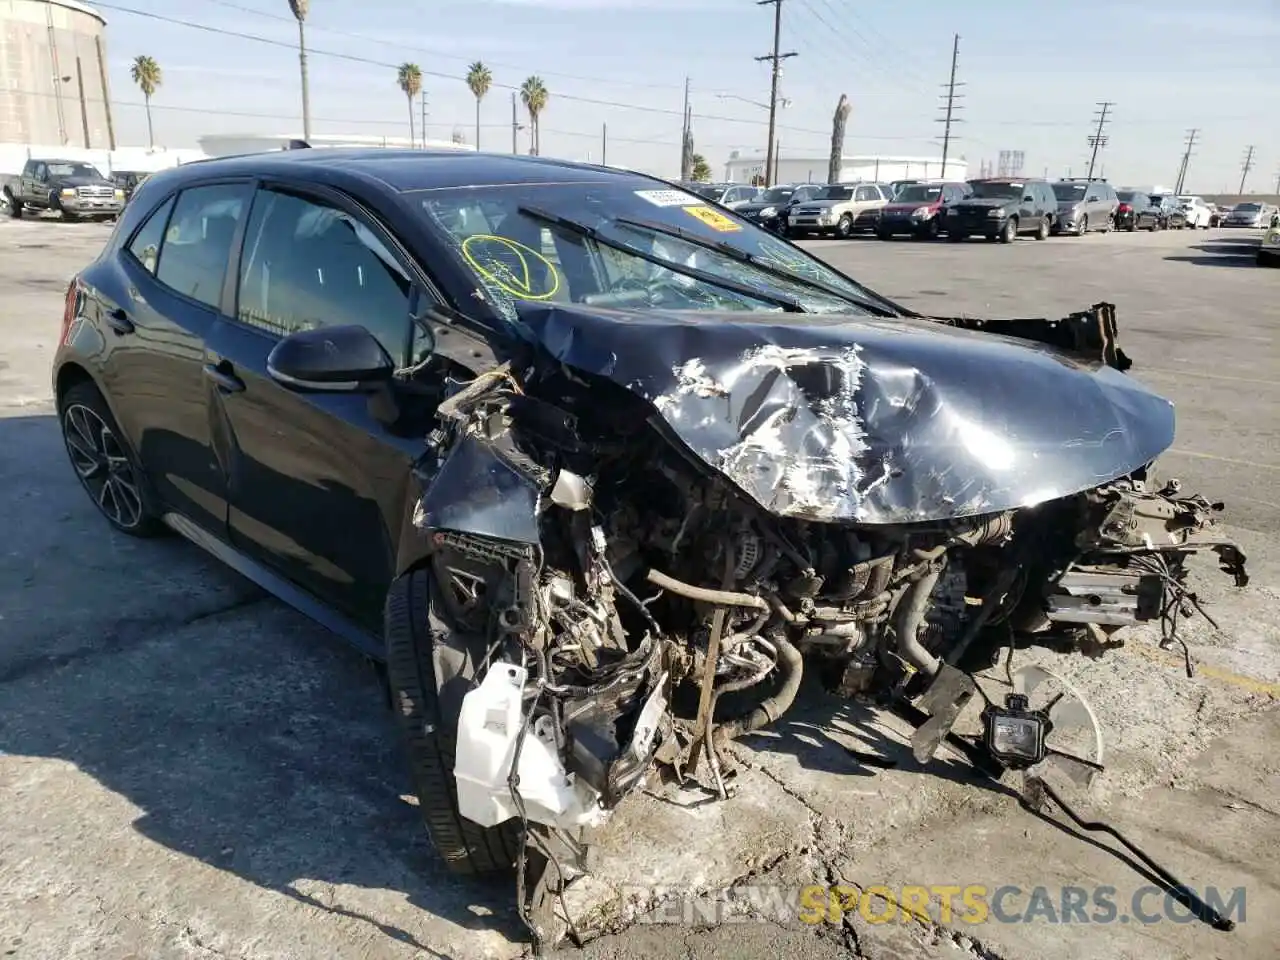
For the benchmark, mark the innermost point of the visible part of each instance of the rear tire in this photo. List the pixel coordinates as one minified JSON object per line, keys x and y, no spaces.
{"x":104,"y":463}
{"x":468,"y":849}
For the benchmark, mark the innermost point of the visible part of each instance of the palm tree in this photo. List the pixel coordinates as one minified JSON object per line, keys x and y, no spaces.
{"x":409,"y":79}
{"x":533,"y":92}
{"x":838,"y":122}
{"x":146,"y":74}
{"x":479,"y":79}
{"x":300,"y":10}
{"x":701,"y":170}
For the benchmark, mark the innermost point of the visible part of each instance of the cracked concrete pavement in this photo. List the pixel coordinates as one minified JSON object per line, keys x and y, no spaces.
{"x":188,"y":769}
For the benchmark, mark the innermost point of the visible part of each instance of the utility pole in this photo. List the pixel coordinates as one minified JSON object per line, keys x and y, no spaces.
{"x":1098,"y":140}
{"x":604,"y":144}
{"x":1245,"y":168}
{"x":1277,"y":179}
{"x":686,"y":172}
{"x":424,"y":119}
{"x":950,"y":99}
{"x":775,"y":59}
{"x":1186,"y":156}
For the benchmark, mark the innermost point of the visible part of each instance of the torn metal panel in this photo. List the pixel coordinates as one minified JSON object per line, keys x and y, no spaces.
{"x":866,"y":419}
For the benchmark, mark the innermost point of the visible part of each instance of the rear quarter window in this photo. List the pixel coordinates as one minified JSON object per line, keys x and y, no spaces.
{"x":145,"y":245}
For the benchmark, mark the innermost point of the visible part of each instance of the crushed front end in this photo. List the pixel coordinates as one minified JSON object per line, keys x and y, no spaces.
{"x":647,"y":563}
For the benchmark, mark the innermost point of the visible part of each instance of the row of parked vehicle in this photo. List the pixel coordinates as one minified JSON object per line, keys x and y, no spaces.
{"x":998,"y":209}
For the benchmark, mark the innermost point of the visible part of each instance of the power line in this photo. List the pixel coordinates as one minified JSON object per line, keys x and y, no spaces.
{"x":775,"y":60}
{"x":950,"y":98}
{"x":1245,"y":168}
{"x":370,"y":61}
{"x":364,"y":38}
{"x":1186,"y":157}
{"x":1098,"y":140}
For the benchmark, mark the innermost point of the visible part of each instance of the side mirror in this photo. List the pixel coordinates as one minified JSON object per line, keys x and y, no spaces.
{"x":332,"y":359}
{"x":1028,"y":199}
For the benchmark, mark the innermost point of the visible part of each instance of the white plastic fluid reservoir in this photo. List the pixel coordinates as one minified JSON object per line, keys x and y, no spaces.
{"x":488,"y":726}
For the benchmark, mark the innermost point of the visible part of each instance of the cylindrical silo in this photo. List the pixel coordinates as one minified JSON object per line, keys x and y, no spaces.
{"x":53,"y":75}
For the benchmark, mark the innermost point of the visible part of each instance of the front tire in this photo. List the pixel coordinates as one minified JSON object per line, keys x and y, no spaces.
{"x":104,"y":464}
{"x":411,"y":623}
{"x":14,"y":204}
{"x":1043,"y":232}
{"x":844,"y":227}
{"x":1009,"y":232}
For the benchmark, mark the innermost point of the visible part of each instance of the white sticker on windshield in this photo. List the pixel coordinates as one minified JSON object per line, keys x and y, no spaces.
{"x":669,"y":198}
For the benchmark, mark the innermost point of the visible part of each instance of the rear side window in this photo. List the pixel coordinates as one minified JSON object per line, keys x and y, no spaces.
{"x":868,"y":193}
{"x":145,"y":245}
{"x":307,"y":265}
{"x":197,"y":243}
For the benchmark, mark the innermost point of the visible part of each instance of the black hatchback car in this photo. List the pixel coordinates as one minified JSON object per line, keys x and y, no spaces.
{"x":467,"y":410}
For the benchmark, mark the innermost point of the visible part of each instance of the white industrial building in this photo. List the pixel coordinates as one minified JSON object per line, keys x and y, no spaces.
{"x":743,"y":167}
{"x":53,"y":75}
{"x":235,"y":144}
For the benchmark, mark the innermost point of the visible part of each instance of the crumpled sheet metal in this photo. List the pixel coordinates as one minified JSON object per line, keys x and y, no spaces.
{"x":868,"y":419}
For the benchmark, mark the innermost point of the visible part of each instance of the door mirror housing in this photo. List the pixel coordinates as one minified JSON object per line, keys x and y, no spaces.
{"x":331,"y":359}
{"x":1028,"y":199}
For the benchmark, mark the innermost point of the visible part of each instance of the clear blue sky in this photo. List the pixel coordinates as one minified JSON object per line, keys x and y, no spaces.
{"x":1032,"y":72}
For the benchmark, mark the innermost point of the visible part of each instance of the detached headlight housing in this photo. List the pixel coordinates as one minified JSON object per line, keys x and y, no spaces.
{"x":1014,"y":734}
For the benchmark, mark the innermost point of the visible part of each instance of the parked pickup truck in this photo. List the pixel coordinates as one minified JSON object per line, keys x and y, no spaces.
{"x":72,"y":188}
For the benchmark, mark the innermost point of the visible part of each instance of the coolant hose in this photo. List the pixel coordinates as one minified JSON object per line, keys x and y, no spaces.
{"x":791,"y":665}
{"x":907,"y":620}
{"x":726,"y":598}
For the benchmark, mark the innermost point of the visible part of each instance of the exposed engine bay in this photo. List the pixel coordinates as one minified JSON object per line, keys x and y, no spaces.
{"x":639,"y":607}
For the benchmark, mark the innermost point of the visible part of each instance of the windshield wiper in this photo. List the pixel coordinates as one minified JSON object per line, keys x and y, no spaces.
{"x":591,"y":233}
{"x":760,"y":263}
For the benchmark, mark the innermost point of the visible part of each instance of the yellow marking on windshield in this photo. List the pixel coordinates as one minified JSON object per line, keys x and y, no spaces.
{"x":509,"y":266}
{"x":713,"y":219}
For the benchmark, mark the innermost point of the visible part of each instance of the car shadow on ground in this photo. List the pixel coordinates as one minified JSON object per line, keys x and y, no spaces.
{"x":249,"y":738}
{"x":1222,"y":252}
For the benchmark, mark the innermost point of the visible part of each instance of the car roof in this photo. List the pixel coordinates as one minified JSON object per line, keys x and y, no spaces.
{"x":409,"y":170}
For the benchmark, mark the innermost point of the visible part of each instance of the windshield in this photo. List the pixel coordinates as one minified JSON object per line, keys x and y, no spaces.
{"x":1004,"y":191}
{"x":1126,"y":195}
{"x":805,"y":193}
{"x":776,"y":195}
{"x":833,"y":192}
{"x":73,"y":170}
{"x":515,"y":257}
{"x":1248,"y":207}
{"x":1068,"y":191}
{"x":919,"y":193}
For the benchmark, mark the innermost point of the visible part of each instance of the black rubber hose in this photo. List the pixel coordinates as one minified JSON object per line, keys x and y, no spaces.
{"x":792,"y":666}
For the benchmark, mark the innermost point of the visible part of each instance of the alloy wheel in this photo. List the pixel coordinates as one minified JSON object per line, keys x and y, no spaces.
{"x":102,"y":466}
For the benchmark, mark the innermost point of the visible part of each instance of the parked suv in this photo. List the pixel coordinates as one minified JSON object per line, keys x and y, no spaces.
{"x":1001,"y":209}
{"x":841,"y":209}
{"x":1085,"y":205}
{"x":919,"y":209}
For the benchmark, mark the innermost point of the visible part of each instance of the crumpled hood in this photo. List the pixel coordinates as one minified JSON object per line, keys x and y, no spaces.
{"x":868,"y":419}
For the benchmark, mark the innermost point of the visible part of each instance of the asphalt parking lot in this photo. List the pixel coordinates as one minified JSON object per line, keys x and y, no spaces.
{"x":188,"y":769}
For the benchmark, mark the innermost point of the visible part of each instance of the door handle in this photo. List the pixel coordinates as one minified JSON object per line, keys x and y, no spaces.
{"x":119,"y":321}
{"x":226,"y":381}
